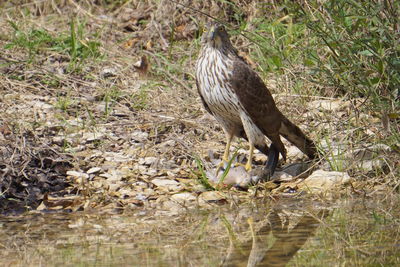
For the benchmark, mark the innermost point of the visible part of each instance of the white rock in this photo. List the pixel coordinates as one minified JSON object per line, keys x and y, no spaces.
{"x":140,"y":197}
{"x":92,"y":136}
{"x":139,"y":136}
{"x":93,"y":170}
{"x":282,"y":177}
{"x":116,"y":157}
{"x":328,"y":105}
{"x":108,"y":72}
{"x":112,"y":187}
{"x":172,"y":207}
{"x":321,"y":181}
{"x":164,"y":182}
{"x":77,"y":174}
{"x":149,"y":160}
{"x":113,"y":175}
{"x":183,"y":197}
{"x":294,"y":153}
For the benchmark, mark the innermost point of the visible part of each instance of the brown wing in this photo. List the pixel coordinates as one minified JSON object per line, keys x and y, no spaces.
{"x":257,"y":101}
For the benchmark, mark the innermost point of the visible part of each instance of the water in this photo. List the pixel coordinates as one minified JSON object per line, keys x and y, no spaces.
{"x":289,"y":232}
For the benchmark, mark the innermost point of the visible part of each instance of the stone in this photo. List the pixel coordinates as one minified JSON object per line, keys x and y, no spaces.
{"x":212,"y":197}
{"x":322,"y":181}
{"x":167,"y":184}
{"x":93,"y":170}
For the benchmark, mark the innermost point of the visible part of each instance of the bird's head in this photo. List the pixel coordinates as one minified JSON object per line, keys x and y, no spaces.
{"x":216,"y":36}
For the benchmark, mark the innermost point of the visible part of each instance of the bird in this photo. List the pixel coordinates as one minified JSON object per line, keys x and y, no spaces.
{"x":237,"y":97}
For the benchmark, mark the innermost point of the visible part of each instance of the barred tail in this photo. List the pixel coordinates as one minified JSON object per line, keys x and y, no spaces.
{"x":295,"y":136}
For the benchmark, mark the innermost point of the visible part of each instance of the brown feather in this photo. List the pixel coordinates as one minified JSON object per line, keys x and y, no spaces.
{"x":237,"y":97}
{"x":294,"y":135}
{"x":260,"y":105}
{"x":257,"y":101}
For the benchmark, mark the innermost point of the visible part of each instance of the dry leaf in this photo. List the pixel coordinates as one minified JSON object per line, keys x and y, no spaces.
{"x":130,"y":43}
{"x":5,"y":130}
{"x":149,"y":45}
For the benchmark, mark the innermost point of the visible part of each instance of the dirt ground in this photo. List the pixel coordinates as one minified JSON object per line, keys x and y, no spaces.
{"x":99,"y":109}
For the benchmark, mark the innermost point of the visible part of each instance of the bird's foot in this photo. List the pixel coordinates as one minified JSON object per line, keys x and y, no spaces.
{"x":246,"y":166}
{"x":221,"y":166}
{"x":224,"y":163}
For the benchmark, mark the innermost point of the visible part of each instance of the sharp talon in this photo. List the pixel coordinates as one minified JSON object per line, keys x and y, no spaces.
{"x":248,"y":167}
{"x":238,"y":164}
{"x":220,"y":166}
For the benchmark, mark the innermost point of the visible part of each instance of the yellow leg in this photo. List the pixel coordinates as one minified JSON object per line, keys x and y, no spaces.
{"x":250,"y":159}
{"x":225,"y":157}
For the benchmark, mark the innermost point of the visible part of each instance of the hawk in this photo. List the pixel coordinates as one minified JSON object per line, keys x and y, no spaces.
{"x":239,"y":100}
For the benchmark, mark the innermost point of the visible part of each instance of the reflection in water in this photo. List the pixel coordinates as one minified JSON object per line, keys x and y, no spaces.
{"x":256,"y":234}
{"x":274,"y":244}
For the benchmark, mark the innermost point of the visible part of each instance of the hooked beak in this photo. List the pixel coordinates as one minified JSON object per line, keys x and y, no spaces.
{"x":211,"y":33}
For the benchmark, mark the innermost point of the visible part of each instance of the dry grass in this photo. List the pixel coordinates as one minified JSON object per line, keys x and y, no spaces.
{"x":84,"y":107}
{"x":72,"y":98}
